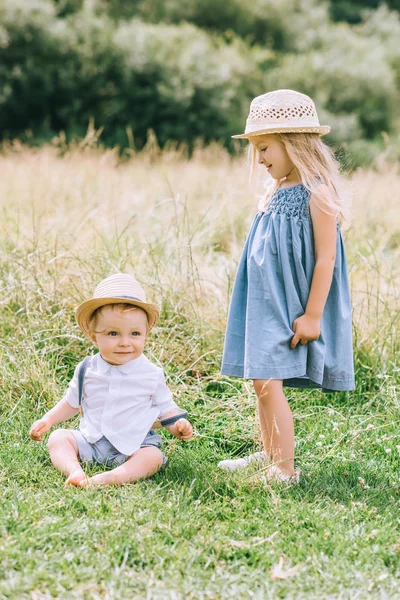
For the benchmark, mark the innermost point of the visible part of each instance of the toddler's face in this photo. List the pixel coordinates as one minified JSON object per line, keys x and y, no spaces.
{"x":120,"y":335}
{"x":272,"y":154}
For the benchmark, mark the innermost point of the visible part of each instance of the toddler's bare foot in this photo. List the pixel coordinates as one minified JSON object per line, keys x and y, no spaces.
{"x":101,"y":479}
{"x":77,"y":478}
{"x":108,"y":478}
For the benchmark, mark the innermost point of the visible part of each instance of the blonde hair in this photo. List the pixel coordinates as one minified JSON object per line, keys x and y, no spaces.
{"x":121,"y":307}
{"x":315,"y":163}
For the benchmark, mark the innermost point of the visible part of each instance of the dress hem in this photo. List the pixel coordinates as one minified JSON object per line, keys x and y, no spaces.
{"x":293,"y":377}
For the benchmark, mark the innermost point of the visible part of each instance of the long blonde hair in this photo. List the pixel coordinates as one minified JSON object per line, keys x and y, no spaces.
{"x":315,"y":163}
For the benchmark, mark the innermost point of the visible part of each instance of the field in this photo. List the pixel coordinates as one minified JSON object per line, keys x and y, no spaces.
{"x":192,"y":532}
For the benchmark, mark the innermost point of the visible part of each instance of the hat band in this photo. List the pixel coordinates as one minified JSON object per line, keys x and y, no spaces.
{"x":131,"y":298}
{"x":283,"y":125}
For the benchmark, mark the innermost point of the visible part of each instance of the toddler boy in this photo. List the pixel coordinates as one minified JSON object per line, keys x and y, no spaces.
{"x":118,"y":391}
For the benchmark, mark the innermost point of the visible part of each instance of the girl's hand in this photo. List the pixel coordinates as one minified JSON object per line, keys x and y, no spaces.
{"x":306,"y":329}
{"x":39,"y":428}
{"x":182,"y":429}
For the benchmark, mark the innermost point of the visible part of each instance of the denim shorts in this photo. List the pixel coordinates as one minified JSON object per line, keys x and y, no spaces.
{"x":103,"y":452}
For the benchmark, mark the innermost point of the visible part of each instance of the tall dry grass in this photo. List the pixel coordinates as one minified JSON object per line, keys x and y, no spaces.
{"x":71,"y":218}
{"x":178,"y":224}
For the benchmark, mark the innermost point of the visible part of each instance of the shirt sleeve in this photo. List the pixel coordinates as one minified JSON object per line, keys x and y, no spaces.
{"x":71,"y":395}
{"x":163,"y":396}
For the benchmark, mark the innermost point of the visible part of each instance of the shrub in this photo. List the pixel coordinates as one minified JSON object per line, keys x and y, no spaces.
{"x":362,"y":85}
{"x":189,"y":70}
{"x":177,"y":80}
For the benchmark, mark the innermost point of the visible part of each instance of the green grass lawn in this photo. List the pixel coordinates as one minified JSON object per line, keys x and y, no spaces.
{"x":192,"y":531}
{"x":195,"y":532}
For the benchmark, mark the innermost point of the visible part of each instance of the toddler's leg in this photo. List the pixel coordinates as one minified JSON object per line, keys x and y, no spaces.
{"x":144,"y":463}
{"x":276,"y":422}
{"x":64,"y":456}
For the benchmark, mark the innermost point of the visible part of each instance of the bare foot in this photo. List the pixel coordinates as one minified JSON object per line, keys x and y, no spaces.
{"x":77,"y":478}
{"x":101,"y":479}
{"x":108,"y":478}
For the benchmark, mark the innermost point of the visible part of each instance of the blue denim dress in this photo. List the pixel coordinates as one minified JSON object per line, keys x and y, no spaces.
{"x":271,"y":290}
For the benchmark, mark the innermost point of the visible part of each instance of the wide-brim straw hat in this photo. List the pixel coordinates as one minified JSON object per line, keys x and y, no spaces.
{"x":282,"y":111}
{"x":119,"y":288}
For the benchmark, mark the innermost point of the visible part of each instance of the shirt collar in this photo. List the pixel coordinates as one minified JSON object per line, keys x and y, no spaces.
{"x":104,"y":367}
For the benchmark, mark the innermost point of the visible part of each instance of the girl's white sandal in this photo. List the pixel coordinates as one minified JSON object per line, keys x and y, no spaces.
{"x":242,"y":463}
{"x":274,"y":473}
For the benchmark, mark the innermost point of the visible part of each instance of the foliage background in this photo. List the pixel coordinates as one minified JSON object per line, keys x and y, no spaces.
{"x":188,"y":70}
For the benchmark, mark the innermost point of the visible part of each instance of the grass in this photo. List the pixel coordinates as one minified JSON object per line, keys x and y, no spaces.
{"x":191,"y":532}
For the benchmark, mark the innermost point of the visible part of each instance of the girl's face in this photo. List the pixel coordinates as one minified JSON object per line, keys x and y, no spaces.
{"x":272,"y":154}
{"x":120,"y":335}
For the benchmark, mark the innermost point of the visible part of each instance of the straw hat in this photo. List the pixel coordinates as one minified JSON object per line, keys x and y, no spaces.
{"x":115,"y":289}
{"x":283,"y":111}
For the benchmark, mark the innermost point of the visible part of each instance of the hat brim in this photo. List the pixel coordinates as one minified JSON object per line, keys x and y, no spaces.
{"x":321,"y":130}
{"x":84,"y":312}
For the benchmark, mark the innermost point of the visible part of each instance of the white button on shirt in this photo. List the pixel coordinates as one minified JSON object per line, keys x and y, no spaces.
{"x":120,"y":402}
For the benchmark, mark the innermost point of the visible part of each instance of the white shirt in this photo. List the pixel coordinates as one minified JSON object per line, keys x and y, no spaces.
{"x":120,"y":402}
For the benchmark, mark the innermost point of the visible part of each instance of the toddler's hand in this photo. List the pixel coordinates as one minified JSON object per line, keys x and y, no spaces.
{"x":306,"y":329}
{"x":183,"y":429}
{"x":38,"y":429}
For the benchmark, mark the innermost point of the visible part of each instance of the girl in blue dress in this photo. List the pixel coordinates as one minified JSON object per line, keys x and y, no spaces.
{"x":290,"y":318}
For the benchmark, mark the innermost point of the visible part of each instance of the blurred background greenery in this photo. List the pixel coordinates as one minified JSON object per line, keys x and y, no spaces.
{"x":187,"y":69}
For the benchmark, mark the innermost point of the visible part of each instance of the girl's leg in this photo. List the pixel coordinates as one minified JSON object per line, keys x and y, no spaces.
{"x":144,"y":463}
{"x":64,"y":454}
{"x":276,"y":423}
